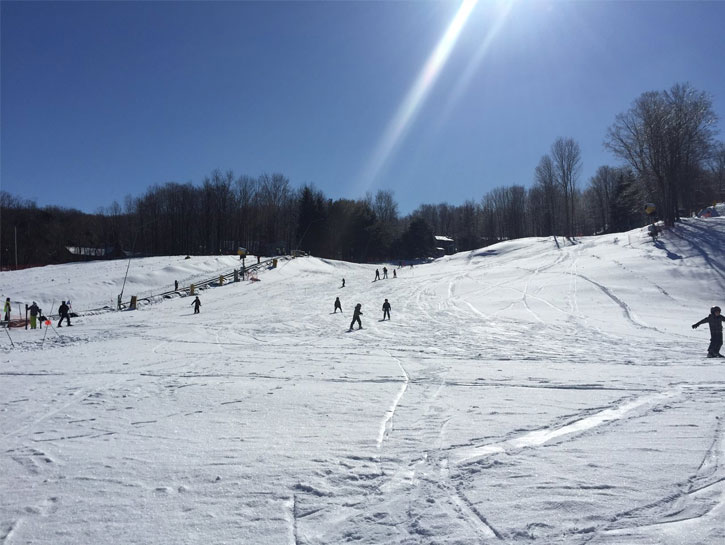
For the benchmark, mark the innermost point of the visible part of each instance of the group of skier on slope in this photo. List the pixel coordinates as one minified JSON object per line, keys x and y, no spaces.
{"x":358,"y":312}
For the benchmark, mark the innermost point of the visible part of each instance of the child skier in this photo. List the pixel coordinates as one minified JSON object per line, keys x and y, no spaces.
{"x":337,"y":305}
{"x":386,"y":310}
{"x":715,"y":321}
{"x":356,"y":317}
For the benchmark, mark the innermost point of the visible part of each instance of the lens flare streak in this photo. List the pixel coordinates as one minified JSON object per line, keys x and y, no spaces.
{"x":417,"y":94}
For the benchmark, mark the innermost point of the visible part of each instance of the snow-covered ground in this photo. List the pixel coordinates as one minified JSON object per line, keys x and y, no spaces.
{"x":521,"y":393}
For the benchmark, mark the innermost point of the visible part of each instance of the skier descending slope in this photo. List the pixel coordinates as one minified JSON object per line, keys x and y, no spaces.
{"x":338,"y":304}
{"x":715,"y":321}
{"x":356,"y":317}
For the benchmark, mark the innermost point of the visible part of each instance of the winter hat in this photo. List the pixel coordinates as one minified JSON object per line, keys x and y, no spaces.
{"x":713,"y":310}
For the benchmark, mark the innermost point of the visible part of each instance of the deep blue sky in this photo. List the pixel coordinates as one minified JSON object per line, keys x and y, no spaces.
{"x":101,"y":99}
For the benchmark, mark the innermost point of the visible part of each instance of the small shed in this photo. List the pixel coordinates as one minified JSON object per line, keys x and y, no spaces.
{"x":445,"y":245}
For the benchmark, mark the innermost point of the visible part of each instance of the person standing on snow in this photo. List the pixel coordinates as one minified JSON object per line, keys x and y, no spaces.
{"x":386,"y":310}
{"x":6,"y":309}
{"x":34,"y":312}
{"x":377,"y":274}
{"x":343,"y":283}
{"x":356,"y":317}
{"x":63,"y":311}
{"x":196,"y":304}
{"x":385,"y":272}
{"x":337,"y":305}
{"x":715,"y":321}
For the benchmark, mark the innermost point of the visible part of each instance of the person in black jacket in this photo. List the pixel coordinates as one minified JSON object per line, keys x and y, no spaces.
{"x":356,"y":317}
{"x":386,"y":310}
{"x":196,"y":304}
{"x":338,"y":304}
{"x":715,"y":321}
{"x":63,"y":311}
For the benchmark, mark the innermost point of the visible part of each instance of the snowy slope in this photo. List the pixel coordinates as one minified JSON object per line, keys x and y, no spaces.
{"x":521,"y":393}
{"x":96,"y":284}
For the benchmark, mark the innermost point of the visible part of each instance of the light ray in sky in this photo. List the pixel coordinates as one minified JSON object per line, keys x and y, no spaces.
{"x":477,"y":59}
{"x":417,"y":94}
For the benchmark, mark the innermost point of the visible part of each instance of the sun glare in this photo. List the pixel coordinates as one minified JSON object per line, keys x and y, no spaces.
{"x":417,"y":94}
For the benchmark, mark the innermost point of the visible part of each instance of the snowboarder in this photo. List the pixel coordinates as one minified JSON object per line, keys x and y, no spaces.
{"x":377,"y":274}
{"x":34,"y":312}
{"x":338,"y":304}
{"x":385,"y":272}
{"x":343,"y":283}
{"x":196,"y":304}
{"x":715,"y":321}
{"x":356,"y":317}
{"x":6,"y":309}
{"x":386,"y":310}
{"x":63,"y":311}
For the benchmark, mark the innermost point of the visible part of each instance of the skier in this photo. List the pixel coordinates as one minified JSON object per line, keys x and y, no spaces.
{"x":356,"y":317}
{"x":652,"y":231}
{"x":377,"y":274}
{"x":715,"y":321}
{"x":176,"y":285}
{"x":395,"y":275}
{"x":196,"y":304}
{"x":63,"y":311}
{"x":6,"y":309}
{"x":385,"y":272}
{"x":34,"y":312}
{"x":386,"y":310}
{"x":337,"y":305}
{"x":343,"y":283}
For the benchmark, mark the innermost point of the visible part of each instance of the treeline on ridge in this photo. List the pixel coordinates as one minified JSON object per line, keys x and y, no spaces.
{"x":666,"y":142}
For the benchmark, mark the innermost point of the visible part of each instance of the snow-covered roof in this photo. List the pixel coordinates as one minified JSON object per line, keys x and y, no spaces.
{"x":443,"y":239}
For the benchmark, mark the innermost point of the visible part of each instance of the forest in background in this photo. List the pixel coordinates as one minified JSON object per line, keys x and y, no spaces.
{"x":666,"y":142}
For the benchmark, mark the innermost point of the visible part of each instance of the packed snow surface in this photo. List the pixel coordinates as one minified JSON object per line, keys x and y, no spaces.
{"x":527,"y":392}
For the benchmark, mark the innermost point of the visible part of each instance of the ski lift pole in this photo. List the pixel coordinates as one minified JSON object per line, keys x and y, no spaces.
{"x":9,"y":337}
{"x":46,"y":332}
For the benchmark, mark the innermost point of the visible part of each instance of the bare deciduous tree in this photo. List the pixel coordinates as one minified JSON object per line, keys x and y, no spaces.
{"x":665,"y":137}
{"x":566,"y":159}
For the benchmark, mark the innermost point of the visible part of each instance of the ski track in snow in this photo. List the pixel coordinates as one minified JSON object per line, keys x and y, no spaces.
{"x":540,"y":437}
{"x":386,"y":425}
